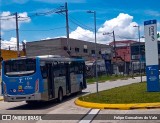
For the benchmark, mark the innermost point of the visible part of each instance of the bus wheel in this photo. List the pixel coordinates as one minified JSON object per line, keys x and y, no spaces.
{"x":60,"y":95}
{"x":31,"y":102}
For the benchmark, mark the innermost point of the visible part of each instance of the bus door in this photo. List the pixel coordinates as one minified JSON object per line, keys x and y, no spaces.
{"x":68,"y":81}
{"x":51,"y":93}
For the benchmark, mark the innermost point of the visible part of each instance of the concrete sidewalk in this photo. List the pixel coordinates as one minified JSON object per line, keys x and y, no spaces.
{"x":91,"y":88}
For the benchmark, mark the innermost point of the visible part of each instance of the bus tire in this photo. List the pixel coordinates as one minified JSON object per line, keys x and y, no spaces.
{"x":31,"y":102}
{"x":60,"y":95}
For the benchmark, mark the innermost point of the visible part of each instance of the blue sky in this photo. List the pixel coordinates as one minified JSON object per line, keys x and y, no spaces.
{"x":117,"y":15}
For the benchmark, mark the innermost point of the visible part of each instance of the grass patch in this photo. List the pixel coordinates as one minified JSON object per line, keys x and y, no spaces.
{"x":134,"y":93}
{"x":107,"y":78}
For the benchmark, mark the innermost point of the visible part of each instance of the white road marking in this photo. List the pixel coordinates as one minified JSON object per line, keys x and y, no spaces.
{"x":89,"y":117}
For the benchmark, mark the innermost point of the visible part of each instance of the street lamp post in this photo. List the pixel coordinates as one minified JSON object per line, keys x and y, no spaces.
{"x":139,"y":49}
{"x":94,"y":12}
{"x":124,"y":58}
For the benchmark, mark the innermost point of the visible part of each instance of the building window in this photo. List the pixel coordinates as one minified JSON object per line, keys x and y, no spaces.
{"x":92,"y":51}
{"x":76,"y":49}
{"x":66,"y":48}
{"x":85,"y":50}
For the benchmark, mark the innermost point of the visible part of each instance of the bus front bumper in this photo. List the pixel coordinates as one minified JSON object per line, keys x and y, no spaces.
{"x":17,"y":98}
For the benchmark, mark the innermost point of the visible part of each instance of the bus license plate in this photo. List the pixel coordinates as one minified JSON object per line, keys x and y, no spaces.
{"x":20,"y":87}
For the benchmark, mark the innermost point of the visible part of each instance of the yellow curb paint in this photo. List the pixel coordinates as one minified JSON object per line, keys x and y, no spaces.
{"x":117,"y":106}
{"x":1,"y":99}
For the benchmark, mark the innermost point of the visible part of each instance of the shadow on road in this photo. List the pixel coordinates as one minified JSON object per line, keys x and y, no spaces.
{"x":45,"y":105}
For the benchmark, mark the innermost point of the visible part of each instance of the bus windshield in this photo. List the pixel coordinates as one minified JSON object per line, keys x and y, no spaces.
{"x":19,"y":67}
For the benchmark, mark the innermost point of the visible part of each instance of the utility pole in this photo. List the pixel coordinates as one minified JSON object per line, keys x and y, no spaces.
{"x":67,"y":27}
{"x":95,"y":30}
{"x":114,"y":44}
{"x":114,"y":41}
{"x":65,"y":9}
{"x":17,"y":35}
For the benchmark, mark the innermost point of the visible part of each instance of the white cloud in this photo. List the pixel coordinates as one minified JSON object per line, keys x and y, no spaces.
{"x":12,"y":43}
{"x":122,"y":26}
{"x":82,"y":34}
{"x":46,"y":38}
{"x":9,"y":22}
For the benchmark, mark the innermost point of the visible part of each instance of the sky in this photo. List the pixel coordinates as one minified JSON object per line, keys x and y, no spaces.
{"x":38,"y":20}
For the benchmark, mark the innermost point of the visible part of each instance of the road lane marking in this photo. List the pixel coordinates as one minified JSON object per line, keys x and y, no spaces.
{"x":90,"y":116}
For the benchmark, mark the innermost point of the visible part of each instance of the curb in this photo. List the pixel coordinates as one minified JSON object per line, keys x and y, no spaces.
{"x":117,"y":106}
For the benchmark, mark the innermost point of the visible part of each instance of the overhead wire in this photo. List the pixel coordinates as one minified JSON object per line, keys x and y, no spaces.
{"x":78,"y":23}
{"x":71,"y":18}
{"x":43,"y":29}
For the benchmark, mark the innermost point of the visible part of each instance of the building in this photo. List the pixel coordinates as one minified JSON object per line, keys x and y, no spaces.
{"x":137,"y":56}
{"x":123,"y":55}
{"x":9,"y":54}
{"x":58,"y":46}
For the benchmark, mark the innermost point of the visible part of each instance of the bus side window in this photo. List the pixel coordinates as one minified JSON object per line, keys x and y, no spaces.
{"x":44,"y":72}
{"x":78,"y":68}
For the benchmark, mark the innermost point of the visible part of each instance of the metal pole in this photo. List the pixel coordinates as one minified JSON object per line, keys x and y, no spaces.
{"x":114,"y":41}
{"x":124,"y":62}
{"x":95,"y":51}
{"x":139,"y":51}
{"x":67,"y":27}
{"x":17,"y":35}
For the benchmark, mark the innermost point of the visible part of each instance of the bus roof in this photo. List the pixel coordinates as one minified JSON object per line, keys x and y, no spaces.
{"x":50,"y":58}
{"x":62,"y":59}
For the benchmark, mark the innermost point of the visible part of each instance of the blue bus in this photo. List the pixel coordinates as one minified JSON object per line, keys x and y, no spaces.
{"x":42,"y":78}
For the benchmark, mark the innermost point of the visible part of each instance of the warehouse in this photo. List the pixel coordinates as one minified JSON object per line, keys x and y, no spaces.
{"x":58,"y":46}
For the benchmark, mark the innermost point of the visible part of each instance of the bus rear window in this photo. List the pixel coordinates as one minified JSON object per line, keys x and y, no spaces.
{"x":20,"y":67}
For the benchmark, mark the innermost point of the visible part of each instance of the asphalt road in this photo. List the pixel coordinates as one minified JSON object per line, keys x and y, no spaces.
{"x":68,"y":107}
